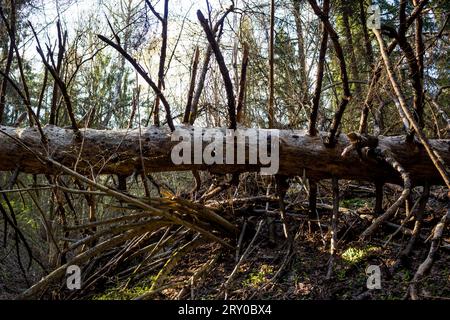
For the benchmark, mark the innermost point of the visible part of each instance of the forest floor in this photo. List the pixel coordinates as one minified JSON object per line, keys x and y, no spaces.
{"x":12,"y":281}
{"x":271,"y":271}
{"x":266,"y":273}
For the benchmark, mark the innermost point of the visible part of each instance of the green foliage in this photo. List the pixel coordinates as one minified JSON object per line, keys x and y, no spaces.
{"x":256,"y":279}
{"x":353,"y":203}
{"x":23,"y":212}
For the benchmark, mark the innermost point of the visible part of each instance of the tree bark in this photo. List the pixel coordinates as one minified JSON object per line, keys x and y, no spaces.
{"x":271,"y":107}
{"x":118,"y":152}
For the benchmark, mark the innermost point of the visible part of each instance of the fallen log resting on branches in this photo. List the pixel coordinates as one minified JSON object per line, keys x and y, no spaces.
{"x":119,"y":152}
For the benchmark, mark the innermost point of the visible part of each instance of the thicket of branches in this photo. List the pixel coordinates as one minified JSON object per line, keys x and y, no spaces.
{"x":312,"y":65}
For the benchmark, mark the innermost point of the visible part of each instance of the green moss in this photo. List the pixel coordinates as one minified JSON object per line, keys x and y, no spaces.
{"x":355,"y":255}
{"x":118,"y":293}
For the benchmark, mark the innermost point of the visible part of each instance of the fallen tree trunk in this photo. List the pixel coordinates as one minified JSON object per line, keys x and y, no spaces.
{"x":119,"y":152}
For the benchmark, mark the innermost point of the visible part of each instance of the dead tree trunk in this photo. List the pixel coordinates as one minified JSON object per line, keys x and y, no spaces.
{"x":118,"y":152}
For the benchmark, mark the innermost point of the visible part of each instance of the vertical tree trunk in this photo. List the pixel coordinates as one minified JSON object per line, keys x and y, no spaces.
{"x":319,"y":77}
{"x":378,"y":198}
{"x":334,"y":226}
{"x":312,"y":200}
{"x":9,"y":60}
{"x":420,"y":53}
{"x":271,"y":65}
{"x":301,"y":52}
{"x":350,"y":48}
{"x":367,"y":43}
{"x":162,"y":61}
{"x":240,"y":109}
{"x":188,"y":110}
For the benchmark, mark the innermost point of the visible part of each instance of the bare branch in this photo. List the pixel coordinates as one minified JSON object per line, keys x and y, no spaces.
{"x":206,"y":60}
{"x":62,"y":86}
{"x":434,"y":156}
{"x":223,"y":69}
{"x":144,"y":75}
